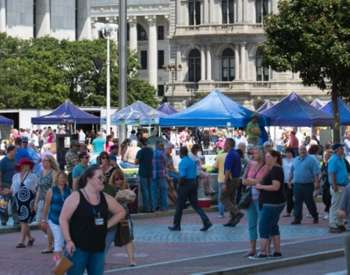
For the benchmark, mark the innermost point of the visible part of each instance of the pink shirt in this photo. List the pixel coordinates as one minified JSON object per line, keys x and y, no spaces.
{"x":256,"y":171}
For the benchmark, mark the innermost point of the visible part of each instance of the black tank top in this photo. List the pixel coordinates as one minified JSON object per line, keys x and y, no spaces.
{"x":84,"y":231}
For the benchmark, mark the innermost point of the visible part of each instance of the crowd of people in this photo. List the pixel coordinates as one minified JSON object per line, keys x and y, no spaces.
{"x":91,"y":195}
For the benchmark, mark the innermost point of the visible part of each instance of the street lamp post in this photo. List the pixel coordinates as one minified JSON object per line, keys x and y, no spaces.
{"x":107,"y":30}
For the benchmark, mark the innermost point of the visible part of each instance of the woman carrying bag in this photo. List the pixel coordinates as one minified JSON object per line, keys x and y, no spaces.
{"x":254,"y":173}
{"x":123,"y":233}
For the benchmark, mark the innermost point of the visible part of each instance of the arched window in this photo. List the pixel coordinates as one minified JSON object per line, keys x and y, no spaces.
{"x":141,"y":33}
{"x":194,"y":12}
{"x":261,"y":9}
{"x":262,"y":73}
{"x":227,"y":9}
{"x":228,"y":65}
{"x":194,"y":66}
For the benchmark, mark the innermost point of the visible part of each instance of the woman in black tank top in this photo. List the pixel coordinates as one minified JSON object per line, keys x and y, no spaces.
{"x":84,"y":222}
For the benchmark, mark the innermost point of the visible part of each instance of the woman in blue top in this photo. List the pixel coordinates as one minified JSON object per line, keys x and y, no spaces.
{"x":54,"y":200}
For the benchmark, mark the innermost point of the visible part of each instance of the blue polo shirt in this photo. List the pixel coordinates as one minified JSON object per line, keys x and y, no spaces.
{"x":304,"y":170}
{"x":337,"y":166}
{"x":187,"y":168}
{"x":233,"y":163}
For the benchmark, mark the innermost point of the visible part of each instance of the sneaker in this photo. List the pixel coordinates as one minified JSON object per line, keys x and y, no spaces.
{"x":206,"y":226}
{"x":258,"y":257}
{"x":295,"y":222}
{"x":335,"y":230}
{"x":221,"y":216}
{"x":276,"y":255}
{"x":326,"y":217}
{"x":342,"y":228}
{"x":237,"y":219}
{"x":315,"y":221}
{"x":287,"y":215}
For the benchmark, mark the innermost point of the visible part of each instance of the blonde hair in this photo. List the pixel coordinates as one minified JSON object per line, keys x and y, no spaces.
{"x":60,"y":173}
{"x":53,"y":162}
{"x":118,"y":173}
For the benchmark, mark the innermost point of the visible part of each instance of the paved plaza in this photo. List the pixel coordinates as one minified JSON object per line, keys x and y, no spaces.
{"x":159,"y":251}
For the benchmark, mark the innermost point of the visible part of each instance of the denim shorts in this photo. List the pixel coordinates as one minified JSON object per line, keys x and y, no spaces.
{"x":269,"y":217}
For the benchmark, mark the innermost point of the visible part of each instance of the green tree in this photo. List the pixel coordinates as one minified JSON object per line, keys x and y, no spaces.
{"x":312,"y":37}
{"x":42,"y":73}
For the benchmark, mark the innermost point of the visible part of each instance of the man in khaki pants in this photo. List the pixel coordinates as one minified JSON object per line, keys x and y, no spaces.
{"x":231,"y":183}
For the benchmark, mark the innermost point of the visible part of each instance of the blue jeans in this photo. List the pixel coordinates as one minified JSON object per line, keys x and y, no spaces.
{"x":160,"y":193}
{"x":221,"y":207}
{"x":82,"y":260}
{"x":269,"y":217}
{"x":253,"y":217}
{"x":145,"y":184}
{"x":110,"y":238}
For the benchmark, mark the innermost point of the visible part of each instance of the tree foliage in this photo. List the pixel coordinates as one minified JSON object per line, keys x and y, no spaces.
{"x":43,"y":72}
{"x":312,"y":37}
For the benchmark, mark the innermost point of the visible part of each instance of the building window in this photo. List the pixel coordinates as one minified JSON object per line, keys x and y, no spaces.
{"x":160,"y":91}
{"x":194,"y":66}
{"x":160,"y":59}
{"x":143,"y":60}
{"x":127,"y":32}
{"x":228,"y":65}
{"x":262,"y":73}
{"x":160,"y":32}
{"x":194,"y":12}
{"x":141,"y":33}
{"x":228,"y":15}
{"x":261,"y":9}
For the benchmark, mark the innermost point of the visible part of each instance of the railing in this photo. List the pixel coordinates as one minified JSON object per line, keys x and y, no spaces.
{"x":215,"y":29}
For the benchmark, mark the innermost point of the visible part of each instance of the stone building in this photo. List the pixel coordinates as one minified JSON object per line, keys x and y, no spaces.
{"x":188,"y":47}
{"x":68,"y":19}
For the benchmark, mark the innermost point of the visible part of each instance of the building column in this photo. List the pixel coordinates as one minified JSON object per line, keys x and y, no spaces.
{"x":245,"y":11}
{"x":237,"y":62}
{"x":178,"y":13}
{"x":203,"y":64}
{"x":239,"y":11}
{"x":83,"y":30}
{"x":209,"y":61}
{"x":132,"y":33}
{"x":243,"y":60}
{"x":42,"y":12}
{"x":178,"y":64}
{"x":205,"y":12}
{"x":152,"y":51}
{"x":2,"y":16}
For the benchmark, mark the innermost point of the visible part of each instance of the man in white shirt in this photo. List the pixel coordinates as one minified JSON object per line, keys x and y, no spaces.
{"x":82,"y":136}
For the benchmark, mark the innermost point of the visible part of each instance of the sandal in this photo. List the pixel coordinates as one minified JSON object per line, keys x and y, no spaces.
{"x":46,"y":251}
{"x":20,"y":245}
{"x":31,"y":242}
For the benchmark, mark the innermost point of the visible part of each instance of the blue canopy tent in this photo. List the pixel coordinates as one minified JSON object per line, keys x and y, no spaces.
{"x":5,"y":121}
{"x":317,"y":103}
{"x":295,"y":111}
{"x":267,"y":104}
{"x":215,"y":110}
{"x":137,"y":113}
{"x":344,"y":111}
{"x":166,"y":108}
{"x":67,"y":113}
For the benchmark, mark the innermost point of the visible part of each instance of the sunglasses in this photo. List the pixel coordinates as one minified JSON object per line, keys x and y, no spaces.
{"x":119,"y":178}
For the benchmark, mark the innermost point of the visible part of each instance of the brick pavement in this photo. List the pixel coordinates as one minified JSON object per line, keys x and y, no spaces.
{"x":156,"y":244}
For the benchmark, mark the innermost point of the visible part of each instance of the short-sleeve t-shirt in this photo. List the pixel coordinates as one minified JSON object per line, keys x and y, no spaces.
{"x":98,"y":145}
{"x":145,"y":158}
{"x":273,"y":197}
{"x":78,"y":170}
{"x":8,"y":169}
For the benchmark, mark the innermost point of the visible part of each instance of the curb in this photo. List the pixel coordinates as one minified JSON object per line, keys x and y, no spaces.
{"x":137,"y":216}
{"x":275,"y":264}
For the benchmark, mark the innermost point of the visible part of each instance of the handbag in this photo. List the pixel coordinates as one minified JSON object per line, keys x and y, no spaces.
{"x":123,"y":234}
{"x":62,"y":266}
{"x":246,"y":195}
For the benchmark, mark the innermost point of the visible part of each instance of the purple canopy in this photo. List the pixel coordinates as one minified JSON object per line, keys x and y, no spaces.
{"x":67,"y":113}
{"x":166,"y":108}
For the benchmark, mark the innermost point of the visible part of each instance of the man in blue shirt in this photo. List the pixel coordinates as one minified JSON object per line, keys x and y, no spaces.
{"x":188,"y":190}
{"x":338,"y":179}
{"x":305,"y":175}
{"x":144,"y":158}
{"x":232,"y":168}
{"x":79,"y":169}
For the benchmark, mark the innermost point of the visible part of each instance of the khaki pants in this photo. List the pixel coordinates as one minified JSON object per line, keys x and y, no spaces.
{"x":334,"y":221}
{"x":228,"y":197}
